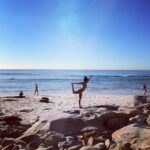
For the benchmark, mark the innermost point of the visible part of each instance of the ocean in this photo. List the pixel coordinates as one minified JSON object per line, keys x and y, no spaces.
{"x":118,"y":82}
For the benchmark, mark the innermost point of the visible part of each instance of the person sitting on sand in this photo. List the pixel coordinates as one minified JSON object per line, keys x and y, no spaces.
{"x":80,"y":91}
{"x":20,"y":94}
{"x":36,"y":90}
{"x":144,"y":89}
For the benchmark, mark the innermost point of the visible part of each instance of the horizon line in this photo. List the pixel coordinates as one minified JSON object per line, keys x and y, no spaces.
{"x":75,"y":69}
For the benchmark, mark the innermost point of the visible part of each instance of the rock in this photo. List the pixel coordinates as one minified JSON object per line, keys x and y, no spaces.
{"x":107,"y":134}
{"x":59,"y":122}
{"x":131,"y":112}
{"x":76,"y":147}
{"x":116,"y":147}
{"x":72,"y":111}
{"x":114,"y":124}
{"x":138,"y":119}
{"x":148,"y":121}
{"x":126,"y":146}
{"x":69,"y":138}
{"x":100,"y":146}
{"x":113,"y":120}
{"x":67,"y":144}
{"x":146,"y":112}
{"x":12,"y":119}
{"x":89,"y":134}
{"x":68,"y":126}
{"x":26,"y":110}
{"x":29,"y":138}
{"x":109,"y":107}
{"x":87,"y":148}
{"x":34,"y":145}
{"x":138,"y":100}
{"x":50,"y":148}
{"x":107,"y":143}
{"x":121,"y":146}
{"x":135,"y":134}
{"x":44,"y":100}
{"x":8,"y":141}
{"x":9,"y":147}
{"x":52,"y":138}
{"x":89,"y":129}
{"x":90,"y":141}
{"x":15,"y":133}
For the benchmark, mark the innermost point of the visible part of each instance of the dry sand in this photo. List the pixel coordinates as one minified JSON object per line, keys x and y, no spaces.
{"x":30,"y":108}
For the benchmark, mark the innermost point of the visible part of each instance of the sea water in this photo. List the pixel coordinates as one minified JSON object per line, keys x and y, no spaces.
{"x":118,"y":82}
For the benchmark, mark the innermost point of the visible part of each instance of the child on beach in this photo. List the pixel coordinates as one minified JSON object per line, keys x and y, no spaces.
{"x":144,"y":89}
{"x":36,"y":90}
{"x":80,"y":91}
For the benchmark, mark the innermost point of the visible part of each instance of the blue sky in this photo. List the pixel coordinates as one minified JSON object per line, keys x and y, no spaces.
{"x":75,"y":34}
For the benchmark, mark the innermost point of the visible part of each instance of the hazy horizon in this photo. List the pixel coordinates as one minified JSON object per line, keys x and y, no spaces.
{"x":75,"y":34}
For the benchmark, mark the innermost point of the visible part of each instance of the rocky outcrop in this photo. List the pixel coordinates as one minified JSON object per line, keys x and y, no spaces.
{"x":92,"y":128}
{"x":137,"y":135}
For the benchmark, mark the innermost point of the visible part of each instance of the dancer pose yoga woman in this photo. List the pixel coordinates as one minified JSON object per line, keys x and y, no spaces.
{"x":84,"y":86}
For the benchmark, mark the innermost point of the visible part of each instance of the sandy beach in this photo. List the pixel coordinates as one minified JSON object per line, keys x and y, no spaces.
{"x":29,"y":108}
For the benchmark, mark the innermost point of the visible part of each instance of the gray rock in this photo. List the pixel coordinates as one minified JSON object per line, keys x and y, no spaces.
{"x":72,"y":111}
{"x":9,"y":147}
{"x":51,"y":148}
{"x":34,"y":145}
{"x":7,"y":141}
{"x":89,"y":129}
{"x":59,"y":122}
{"x":44,"y":100}
{"x":138,"y":119}
{"x":52,"y":138}
{"x":148,"y":121}
{"x":131,"y":112}
{"x":114,"y":124}
{"x":12,"y":119}
{"x":113,"y":120}
{"x":69,"y":138}
{"x":29,"y":138}
{"x":88,"y":148}
{"x":76,"y":147}
{"x":67,"y":144}
{"x":100,"y":146}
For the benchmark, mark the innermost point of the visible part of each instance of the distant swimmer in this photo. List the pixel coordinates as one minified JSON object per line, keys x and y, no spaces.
{"x":84,"y":86}
{"x":144,"y":89}
{"x":36,"y":92}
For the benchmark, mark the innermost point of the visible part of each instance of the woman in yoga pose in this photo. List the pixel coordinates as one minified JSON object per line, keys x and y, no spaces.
{"x":84,"y":86}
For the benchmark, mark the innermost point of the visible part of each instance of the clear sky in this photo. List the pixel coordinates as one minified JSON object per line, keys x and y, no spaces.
{"x":75,"y":34}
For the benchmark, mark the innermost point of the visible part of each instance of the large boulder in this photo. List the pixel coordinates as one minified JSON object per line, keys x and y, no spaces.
{"x":59,"y":122}
{"x":63,"y":123}
{"x":137,"y":135}
{"x":113,"y":120}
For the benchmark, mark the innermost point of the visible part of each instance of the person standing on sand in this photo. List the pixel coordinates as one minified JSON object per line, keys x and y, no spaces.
{"x":144,"y":89}
{"x":36,"y":90}
{"x":80,"y":91}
